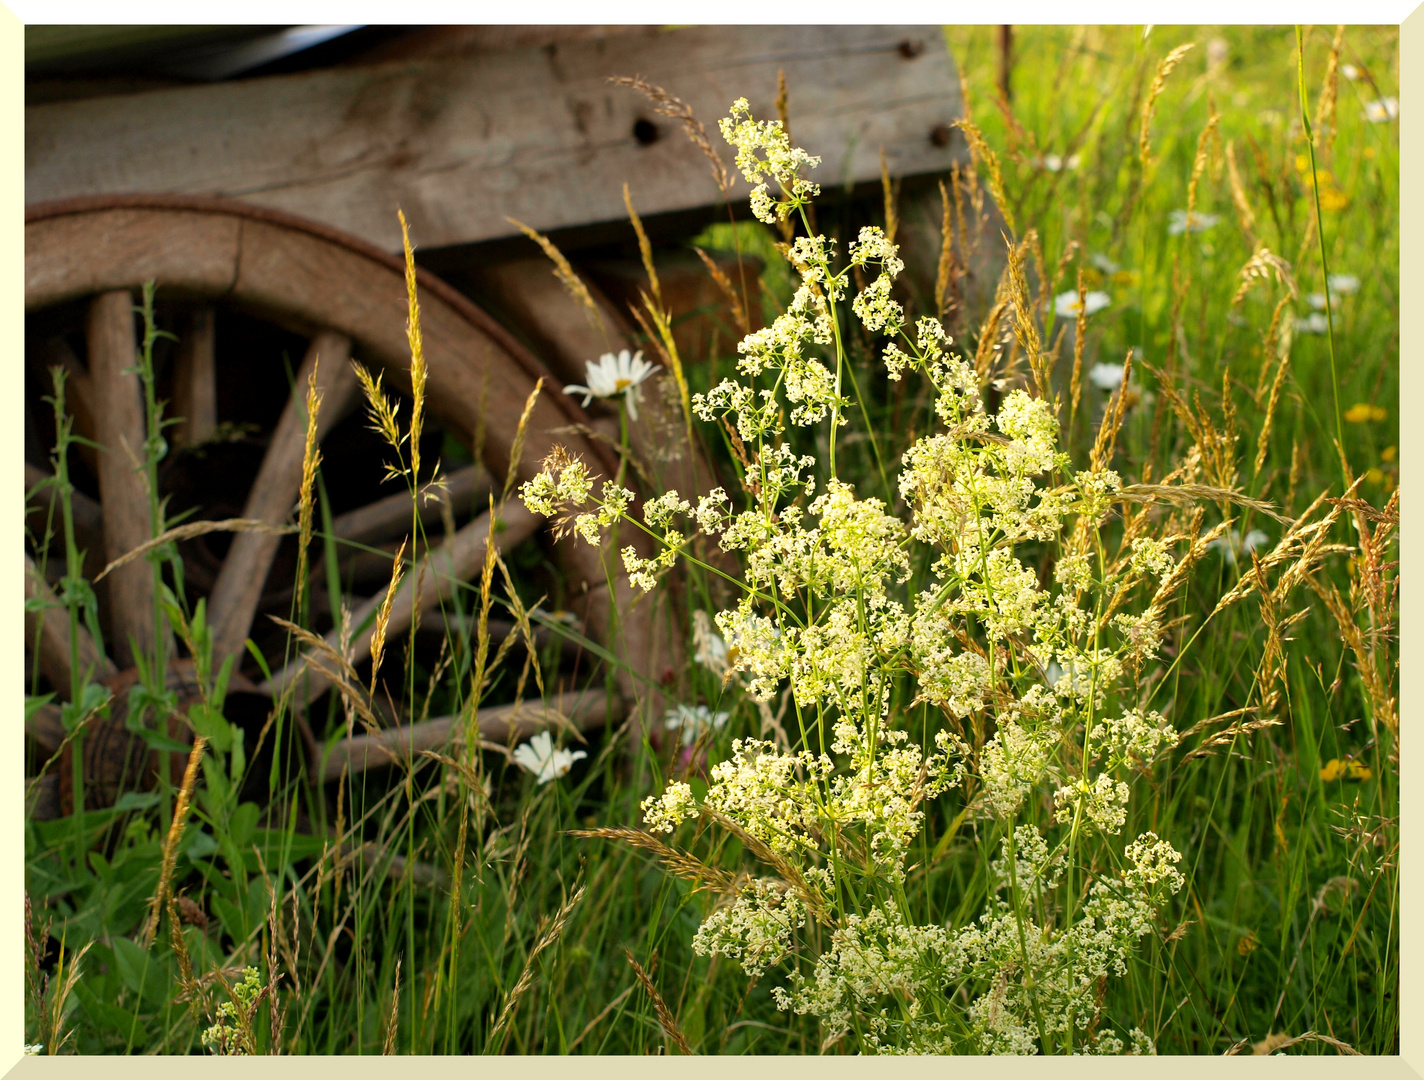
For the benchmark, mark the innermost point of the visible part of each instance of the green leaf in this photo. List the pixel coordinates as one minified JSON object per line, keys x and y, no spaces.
{"x":141,"y":971}
{"x":241,"y":824}
{"x":35,"y":704}
{"x":136,"y":800}
{"x":200,"y":846}
{"x":156,"y":740}
{"x":233,"y":919}
{"x":210,"y":723}
{"x":111,"y":1020}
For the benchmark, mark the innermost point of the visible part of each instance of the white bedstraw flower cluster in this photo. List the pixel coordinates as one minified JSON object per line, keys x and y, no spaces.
{"x":1024,"y":631}
{"x":665,"y":812}
{"x":778,"y":160}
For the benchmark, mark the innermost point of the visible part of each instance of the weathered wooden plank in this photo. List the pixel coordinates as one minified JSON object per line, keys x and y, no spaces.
{"x":535,"y":134}
{"x":119,"y":429}
{"x":379,"y":521}
{"x":67,"y":257}
{"x":195,"y":395}
{"x":453,"y":562}
{"x":498,"y":723}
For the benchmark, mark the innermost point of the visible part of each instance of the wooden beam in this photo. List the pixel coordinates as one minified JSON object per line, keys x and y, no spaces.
{"x":536,"y":134}
{"x":499,"y":724}
{"x":465,"y":489}
{"x":119,"y":430}
{"x":244,"y":572}
{"x":445,"y":568}
{"x":195,"y":394}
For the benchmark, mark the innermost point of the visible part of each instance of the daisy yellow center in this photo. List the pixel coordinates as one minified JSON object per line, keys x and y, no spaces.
{"x":622,"y":384}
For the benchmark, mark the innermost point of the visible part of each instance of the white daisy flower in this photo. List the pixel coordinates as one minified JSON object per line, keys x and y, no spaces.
{"x":1344,"y":284}
{"x":692,"y":722}
{"x":1234,"y":545}
{"x":1314,"y":323}
{"x":546,"y":762}
{"x":1103,"y":263}
{"x":709,"y":648}
{"x":1105,"y":376}
{"x":1057,"y":163}
{"x":1382,"y":111}
{"x":1065,"y":304}
{"x":1178,"y":223}
{"x":614,"y":375}
{"x":1350,"y":71}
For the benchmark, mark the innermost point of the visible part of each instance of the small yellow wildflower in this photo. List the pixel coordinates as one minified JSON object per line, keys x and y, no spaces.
{"x":1389,"y":453}
{"x":1333,"y":199}
{"x":1335,"y":769}
{"x":1363,"y":413}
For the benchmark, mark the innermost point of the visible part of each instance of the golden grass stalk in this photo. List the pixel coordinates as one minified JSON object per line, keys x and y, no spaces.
{"x":645,"y":248}
{"x":1025,"y":322}
{"x":524,"y":627}
{"x":986,"y":352}
{"x":1106,"y":441}
{"x":170,"y":843}
{"x":1329,"y":92}
{"x":685,"y":866}
{"x":311,"y":458}
{"x":674,"y":107}
{"x":1261,"y":265}
{"x":1149,"y":106}
{"x":892,"y":216}
{"x":1280,"y":1041}
{"x":332,"y":665}
{"x":656,"y":325}
{"x":180,"y":950}
{"x":724,"y":283}
{"x":566,"y":275}
{"x":1199,"y":162}
{"x":516,"y":447}
{"x":1075,"y":389}
{"x":1244,"y":212}
{"x":187,"y":532}
{"x":549,"y":932}
{"x":983,"y":155}
{"x":1263,"y":441}
{"x":665,"y":1016}
{"x":388,"y":1046}
{"x":478,"y":674}
{"x":417,"y":353}
{"x":383,"y":615}
{"x":946,"y":253}
{"x":380,"y":409}
{"x":65,"y":976}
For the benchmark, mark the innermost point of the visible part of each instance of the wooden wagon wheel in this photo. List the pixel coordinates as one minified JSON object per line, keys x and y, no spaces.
{"x":346,"y":299}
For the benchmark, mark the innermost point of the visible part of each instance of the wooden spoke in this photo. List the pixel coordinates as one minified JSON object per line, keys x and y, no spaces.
{"x":501,"y":724}
{"x":446,"y":567}
{"x":244,"y":572}
{"x":119,"y":430}
{"x":389,"y":517}
{"x":195,"y":393}
{"x":51,"y":626}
